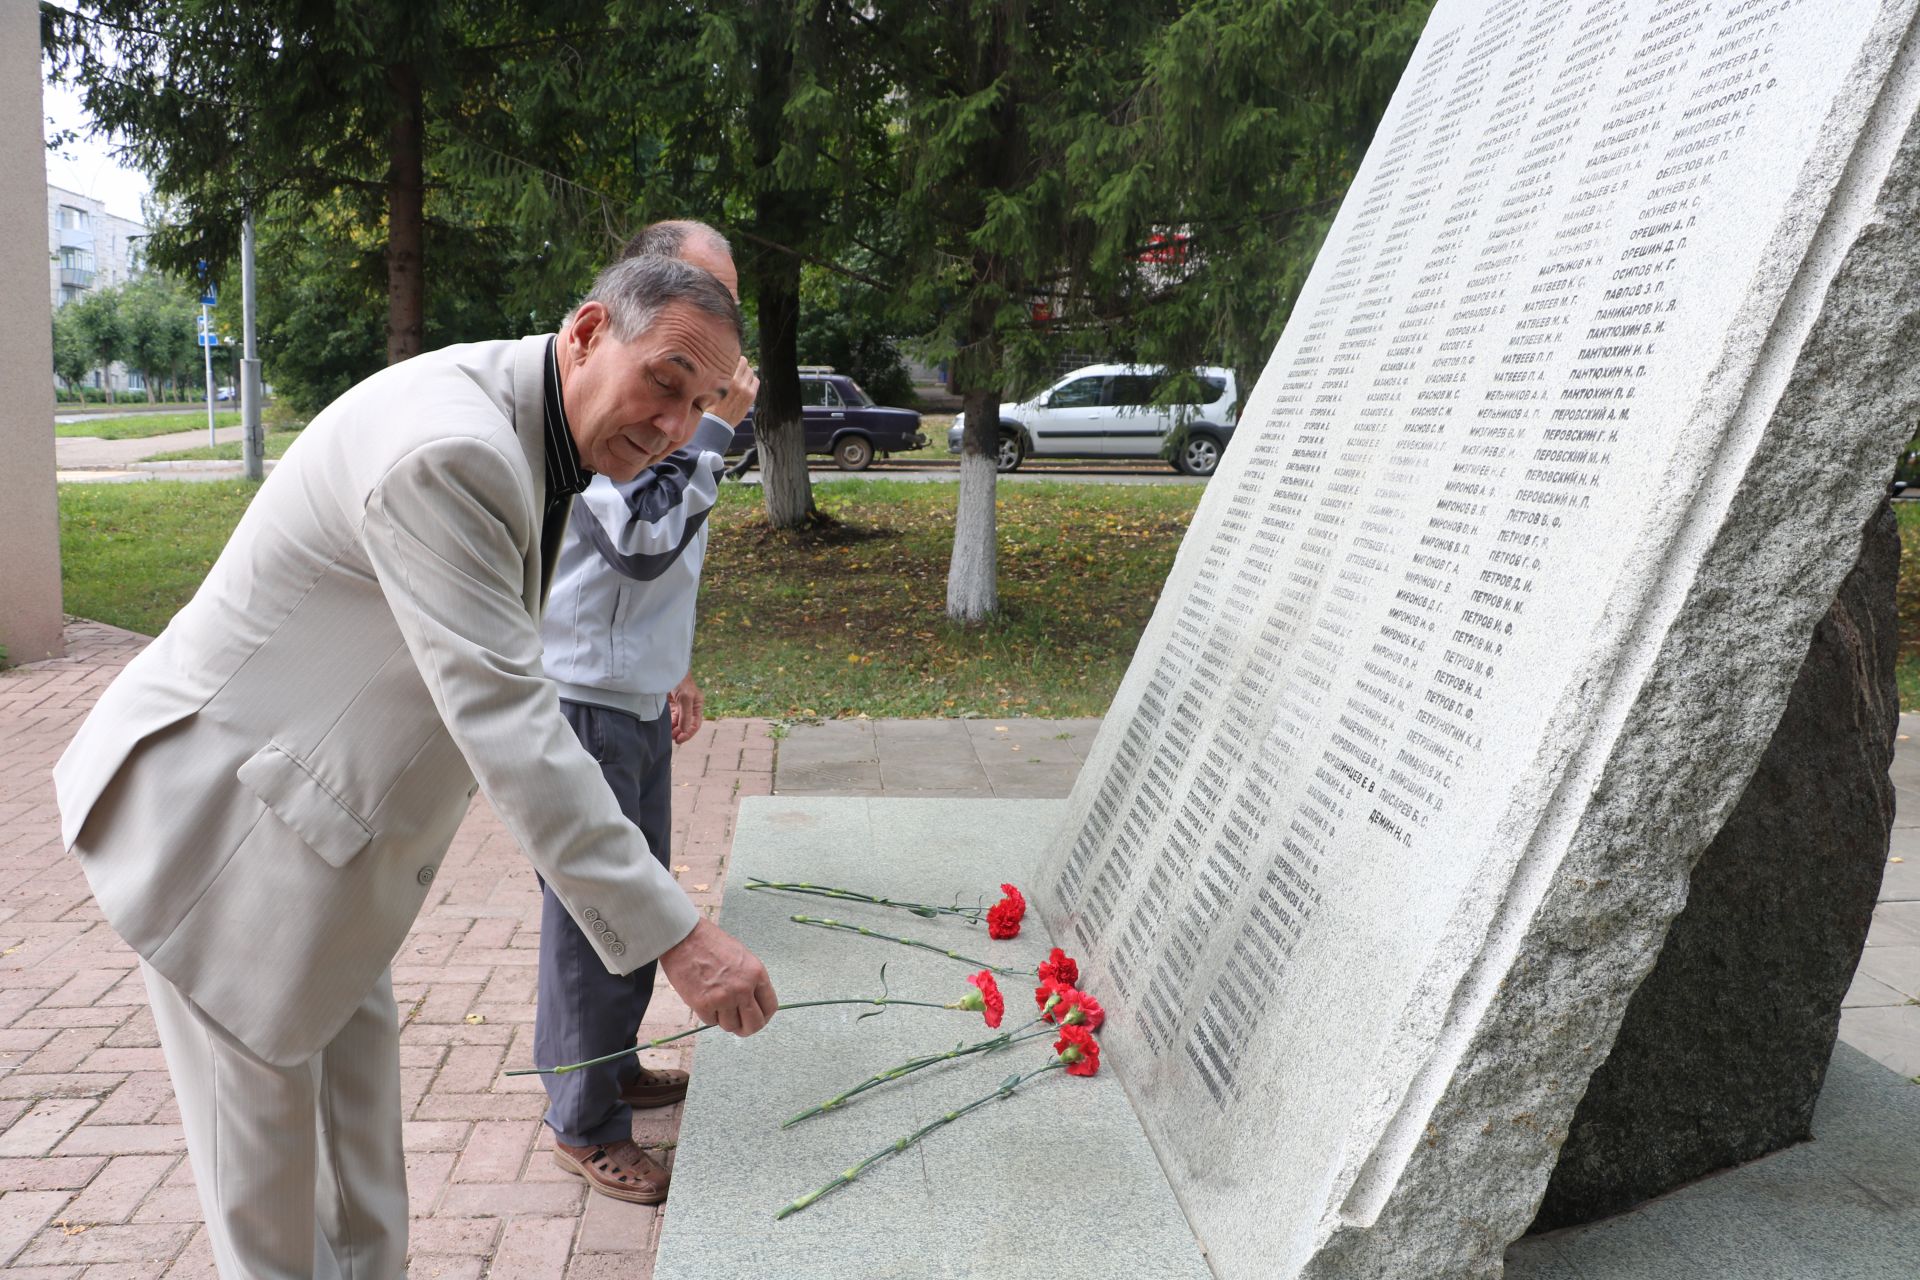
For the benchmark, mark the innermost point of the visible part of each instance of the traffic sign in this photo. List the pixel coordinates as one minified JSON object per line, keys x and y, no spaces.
{"x":211,"y":298}
{"x":209,"y":339}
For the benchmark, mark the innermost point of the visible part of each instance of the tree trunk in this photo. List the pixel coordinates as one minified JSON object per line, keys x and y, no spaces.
{"x":973,"y":575}
{"x":779,"y":428}
{"x":406,"y":215}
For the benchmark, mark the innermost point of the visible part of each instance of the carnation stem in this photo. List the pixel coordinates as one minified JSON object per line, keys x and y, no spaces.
{"x":972,"y":915}
{"x":708,"y":1026}
{"x":865,"y":932}
{"x":1005,"y":1090}
{"x":912,"y":1065}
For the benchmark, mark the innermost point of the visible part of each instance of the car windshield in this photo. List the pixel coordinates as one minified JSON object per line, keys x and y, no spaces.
{"x":854,"y":395}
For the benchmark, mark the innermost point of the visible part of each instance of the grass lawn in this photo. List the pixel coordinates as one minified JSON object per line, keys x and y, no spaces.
{"x":1907,"y":670}
{"x":147,"y":424}
{"x":844,"y":623}
{"x":277,"y":442}
{"x":131,"y":554}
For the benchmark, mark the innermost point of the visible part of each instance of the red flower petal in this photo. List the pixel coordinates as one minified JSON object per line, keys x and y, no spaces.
{"x":1091,"y":1015}
{"x":1079,"y":1050}
{"x":990,"y":992}
{"x":1004,"y":916}
{"x":1061,"y":967}
{"x":1047,"y":990}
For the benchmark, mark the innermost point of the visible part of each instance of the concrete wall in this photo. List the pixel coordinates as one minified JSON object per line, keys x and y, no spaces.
{"x":29,"y":515}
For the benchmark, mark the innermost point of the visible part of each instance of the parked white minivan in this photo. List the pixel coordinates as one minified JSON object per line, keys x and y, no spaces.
{"x":1107,"y":411}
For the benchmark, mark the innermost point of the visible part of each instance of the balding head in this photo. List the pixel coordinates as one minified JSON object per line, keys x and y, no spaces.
{"x":694,"y":243}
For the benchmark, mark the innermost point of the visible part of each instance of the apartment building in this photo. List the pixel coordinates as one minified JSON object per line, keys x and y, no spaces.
{"x":87,"y":249}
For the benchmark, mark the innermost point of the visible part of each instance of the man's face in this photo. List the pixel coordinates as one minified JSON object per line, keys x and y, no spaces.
{"x":630,"y":404}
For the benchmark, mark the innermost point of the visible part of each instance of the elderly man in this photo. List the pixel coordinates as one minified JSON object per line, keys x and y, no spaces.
{"x":262,"y":799}
{"x":619,"y":642}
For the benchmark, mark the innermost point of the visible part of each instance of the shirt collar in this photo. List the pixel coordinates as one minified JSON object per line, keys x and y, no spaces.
{"x":566,"y":474}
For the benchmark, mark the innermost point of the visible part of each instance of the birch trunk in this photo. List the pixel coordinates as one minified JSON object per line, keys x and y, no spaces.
{"x":973,"y":578}
{"x":778,"y":429}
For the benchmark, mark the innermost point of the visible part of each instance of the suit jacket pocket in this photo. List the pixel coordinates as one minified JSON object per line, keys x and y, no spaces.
{"x":299,"y":799}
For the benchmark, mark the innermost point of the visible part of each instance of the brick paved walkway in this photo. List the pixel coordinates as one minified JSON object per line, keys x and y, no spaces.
{"x":94,"y":1181}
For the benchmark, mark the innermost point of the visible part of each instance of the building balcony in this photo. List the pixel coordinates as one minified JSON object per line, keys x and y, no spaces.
{"x":78,"y":277}
{"x":76,"y":238}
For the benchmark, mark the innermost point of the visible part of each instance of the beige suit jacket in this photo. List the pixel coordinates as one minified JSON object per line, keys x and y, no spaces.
{"x":263,"y":797}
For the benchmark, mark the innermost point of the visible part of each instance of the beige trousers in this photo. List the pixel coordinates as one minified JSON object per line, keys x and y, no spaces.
{"x":300,"y":1168}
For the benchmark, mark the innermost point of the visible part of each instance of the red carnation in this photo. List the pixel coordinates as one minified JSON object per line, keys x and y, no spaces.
{"x":993,"y":1005}
{"x":1004,"y":916}
{"x":1049,"y":990}
{"x":1079,"y":1050}
{"x":1077,"y":1008}
{"x":1061,"y":968}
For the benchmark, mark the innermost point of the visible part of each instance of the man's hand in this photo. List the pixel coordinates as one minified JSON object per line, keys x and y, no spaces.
{"x":721,"y":981}
{"x":685,"y":704}
{"x":744,"y":390}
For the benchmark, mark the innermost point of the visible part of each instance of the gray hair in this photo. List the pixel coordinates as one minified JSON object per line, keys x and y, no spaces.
{"x":666,"y":239}
{"x":636,"y":290}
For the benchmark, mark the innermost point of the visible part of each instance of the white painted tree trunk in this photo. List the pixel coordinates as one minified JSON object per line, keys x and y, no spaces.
{"x":973,"y":582}
{"x":787,"y":489}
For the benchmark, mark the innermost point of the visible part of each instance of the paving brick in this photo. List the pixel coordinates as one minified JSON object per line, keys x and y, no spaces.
{"x":118,"y":1191}
{"x":22,"y":1214}
{"x":513,"y":1199}
{"x":533,"y":1249}
{"x":148,"y":1242}
{"x":83,"y":1077}
{"x":124,"y":1139}
{"x":611,"y":1266}
{"x":445,"y":1236}
{"x":615,"y":1226}
{"x":42,"y":1127}
{"x":195,"y":1261}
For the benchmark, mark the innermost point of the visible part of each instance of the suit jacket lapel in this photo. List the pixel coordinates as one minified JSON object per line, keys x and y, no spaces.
{"x":529,"y":424}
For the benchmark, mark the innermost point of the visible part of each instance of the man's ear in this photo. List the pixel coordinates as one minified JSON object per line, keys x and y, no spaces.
{"x":589,"y":324}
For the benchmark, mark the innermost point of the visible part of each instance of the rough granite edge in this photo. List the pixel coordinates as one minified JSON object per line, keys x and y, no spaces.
{"x":1816,"y":477}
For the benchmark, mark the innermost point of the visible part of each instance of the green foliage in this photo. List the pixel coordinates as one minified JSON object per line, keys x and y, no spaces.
{"x":1241,"y":137}
{"x":846,"y":324}
{"x":98,"y":327}
{"x":72,"y":356}
{"x":159,"y":319}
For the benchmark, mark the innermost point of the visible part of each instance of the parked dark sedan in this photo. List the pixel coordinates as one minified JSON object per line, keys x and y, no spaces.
{"x":842,"y":420}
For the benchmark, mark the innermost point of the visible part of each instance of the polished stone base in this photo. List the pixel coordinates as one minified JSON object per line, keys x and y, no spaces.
{"x":1845,"y":1206}
{"x":1056,"y":1180}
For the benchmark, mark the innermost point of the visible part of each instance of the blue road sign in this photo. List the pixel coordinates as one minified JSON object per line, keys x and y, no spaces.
{"x":211,"y":298}
{"x":209,"y":339}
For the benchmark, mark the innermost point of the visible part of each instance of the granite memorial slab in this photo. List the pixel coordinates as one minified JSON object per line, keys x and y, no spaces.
{"x":1020,"y":1190}
{"x":1492,"y":608}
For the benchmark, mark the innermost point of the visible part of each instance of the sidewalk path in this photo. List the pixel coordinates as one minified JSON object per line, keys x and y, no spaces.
{"x":87,"y":453}
{"x":94,"y":1183}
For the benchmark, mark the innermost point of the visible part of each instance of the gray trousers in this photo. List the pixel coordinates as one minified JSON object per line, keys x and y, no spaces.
{"x":584,"y":1011}
{"x":300,"y":1169}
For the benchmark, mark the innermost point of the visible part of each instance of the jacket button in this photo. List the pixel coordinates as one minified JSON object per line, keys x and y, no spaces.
{"x":424,"y":875}
{"x":589,"y":915}
{"x":601,"y":926}
{"x":618,"y":948}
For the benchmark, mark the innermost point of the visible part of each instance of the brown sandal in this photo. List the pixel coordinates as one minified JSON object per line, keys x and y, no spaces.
{"x":655,"y":1089}
{"x":618,"y":1169}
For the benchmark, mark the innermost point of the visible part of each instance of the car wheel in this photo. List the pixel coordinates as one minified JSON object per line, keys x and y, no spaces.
{"x":1198,"y":456}
{"x":1011,"y":453}
{"x":853,"y":453}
